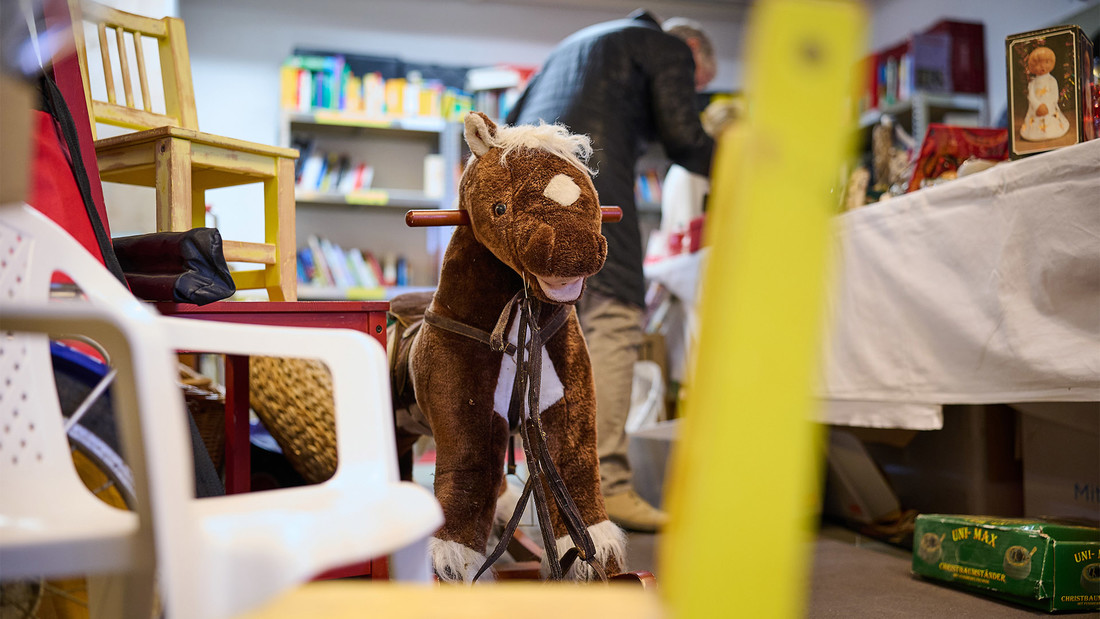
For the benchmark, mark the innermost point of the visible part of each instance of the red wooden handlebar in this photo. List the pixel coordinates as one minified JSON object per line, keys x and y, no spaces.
{"x":456,"y":217}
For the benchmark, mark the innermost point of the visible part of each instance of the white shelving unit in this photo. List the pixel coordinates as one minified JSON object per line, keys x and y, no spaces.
{"x":925,"y":108}
{"x":329,"y":293}
{"x":372,"y":218}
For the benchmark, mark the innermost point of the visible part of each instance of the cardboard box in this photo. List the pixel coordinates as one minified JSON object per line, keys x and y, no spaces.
{"x":1049,"y":89}
{"x":1042,"y":564}
{"x":971,"y":466}
{"x":1061,"y":459}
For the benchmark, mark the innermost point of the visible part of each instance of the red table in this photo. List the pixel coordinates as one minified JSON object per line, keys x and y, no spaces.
{"x":366,"y":316}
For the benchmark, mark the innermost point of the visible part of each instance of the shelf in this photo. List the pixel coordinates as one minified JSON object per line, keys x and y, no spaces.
{"x":947,"y":101}
{"x":413,"y":164}
{"x":342,"y":119}
{"x":356,"y":293}
{"x":922,"y":109}
{"x":394,"y":198}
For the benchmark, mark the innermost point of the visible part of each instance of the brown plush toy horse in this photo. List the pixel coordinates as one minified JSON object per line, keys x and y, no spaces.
{"x":513,"y":276}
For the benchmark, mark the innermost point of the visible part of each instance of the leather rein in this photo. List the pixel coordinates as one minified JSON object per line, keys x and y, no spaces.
{"x":527,"y":383}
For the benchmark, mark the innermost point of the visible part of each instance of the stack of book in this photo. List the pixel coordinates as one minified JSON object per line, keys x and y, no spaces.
{"x":329,"y":172}
{"x":327,"y":83}
{"x":647,"y":187}
{"x":497,"y":88}
{"x":325,"y":264}
{"x":946,"y":58}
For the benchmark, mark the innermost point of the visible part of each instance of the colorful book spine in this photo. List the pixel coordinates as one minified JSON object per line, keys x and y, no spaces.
{"x":324,"y":275}
{"x":374,"y":95}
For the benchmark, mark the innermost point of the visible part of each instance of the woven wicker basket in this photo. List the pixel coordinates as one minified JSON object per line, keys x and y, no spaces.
{"x":206,"y":402}
{"x":293,"y":399}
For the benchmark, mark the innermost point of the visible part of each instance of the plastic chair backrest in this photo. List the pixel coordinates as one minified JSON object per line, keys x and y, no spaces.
{"x":128,"y":34}
{"x":34,"y":453}
{"x":33,"y":249}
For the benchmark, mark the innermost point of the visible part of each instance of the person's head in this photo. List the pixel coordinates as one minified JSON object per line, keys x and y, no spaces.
{"x":1040,"y":61}
{"x":701,"y":49}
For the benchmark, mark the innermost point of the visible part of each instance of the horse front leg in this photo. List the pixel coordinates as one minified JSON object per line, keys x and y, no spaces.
{"x":469,"y":470}
{"x":570,"y":427}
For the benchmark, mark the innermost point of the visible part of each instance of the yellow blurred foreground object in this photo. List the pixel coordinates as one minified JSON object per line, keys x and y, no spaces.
{"x":340,"y":600}
{"x":743,"y":491}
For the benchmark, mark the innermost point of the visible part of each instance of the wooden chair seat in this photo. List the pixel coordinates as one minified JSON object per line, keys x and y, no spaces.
{"x":167,"y":151}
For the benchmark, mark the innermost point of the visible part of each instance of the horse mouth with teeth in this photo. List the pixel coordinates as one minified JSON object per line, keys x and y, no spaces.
{"x":561,"y":289}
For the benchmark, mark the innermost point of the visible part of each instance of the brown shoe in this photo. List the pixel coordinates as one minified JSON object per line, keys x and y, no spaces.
{"x":630,"y":511}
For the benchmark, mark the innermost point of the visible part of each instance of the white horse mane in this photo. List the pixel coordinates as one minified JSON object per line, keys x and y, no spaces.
{"x":555,"y":139}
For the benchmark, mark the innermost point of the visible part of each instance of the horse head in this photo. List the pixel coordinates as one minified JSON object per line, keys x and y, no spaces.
{"x":531,"y":202}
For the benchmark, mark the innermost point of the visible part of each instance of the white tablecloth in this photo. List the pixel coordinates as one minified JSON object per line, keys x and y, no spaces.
{"x":982,"y":290}
{"x":680,"y":274}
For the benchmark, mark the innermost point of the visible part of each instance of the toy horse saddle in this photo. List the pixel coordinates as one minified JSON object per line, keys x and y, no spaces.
{"x":408,"y":314}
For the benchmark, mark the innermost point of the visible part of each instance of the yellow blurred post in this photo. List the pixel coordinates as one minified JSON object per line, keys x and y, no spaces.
{"x":744,"y":490}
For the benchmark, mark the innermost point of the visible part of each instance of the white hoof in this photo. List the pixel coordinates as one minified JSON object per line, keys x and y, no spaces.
{"x":454,"y":562}
{"x":609,"y":540}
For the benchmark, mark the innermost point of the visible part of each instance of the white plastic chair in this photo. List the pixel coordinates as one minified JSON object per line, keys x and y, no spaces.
{"x":214,"y":557}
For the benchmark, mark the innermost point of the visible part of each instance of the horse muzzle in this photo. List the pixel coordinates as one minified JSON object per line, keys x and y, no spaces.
{"x":561,"y":261}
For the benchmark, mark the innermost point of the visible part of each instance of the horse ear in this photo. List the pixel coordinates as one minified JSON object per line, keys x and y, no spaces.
{"x":480,"y":133}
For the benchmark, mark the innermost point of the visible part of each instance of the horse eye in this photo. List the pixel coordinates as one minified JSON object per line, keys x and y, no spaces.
{"x":499,"y":208}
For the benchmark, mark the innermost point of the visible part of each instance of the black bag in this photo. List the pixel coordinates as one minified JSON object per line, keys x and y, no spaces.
{"x":185,"y":267}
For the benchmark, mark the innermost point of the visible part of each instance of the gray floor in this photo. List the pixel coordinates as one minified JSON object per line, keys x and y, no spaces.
{"x":855,"y":576}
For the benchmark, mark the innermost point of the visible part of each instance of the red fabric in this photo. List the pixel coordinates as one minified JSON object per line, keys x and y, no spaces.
{"x":53,"y":188}
{"x":66,"y":74}
{"x":946,"y":147}
{"x":54,"y":192}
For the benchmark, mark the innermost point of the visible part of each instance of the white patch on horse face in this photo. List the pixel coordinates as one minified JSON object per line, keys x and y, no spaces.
{"x":562,"y":189}
{"x":551,"y":389}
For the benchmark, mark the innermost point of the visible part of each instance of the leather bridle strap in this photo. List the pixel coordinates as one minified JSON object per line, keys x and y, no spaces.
{"x":528,"y":381}
{"x":454,"y":326}
{"x":540,"y":465}
{"x":543,"y":464}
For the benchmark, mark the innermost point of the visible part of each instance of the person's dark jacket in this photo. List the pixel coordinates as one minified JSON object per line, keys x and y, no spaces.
{"x":625,"y":83}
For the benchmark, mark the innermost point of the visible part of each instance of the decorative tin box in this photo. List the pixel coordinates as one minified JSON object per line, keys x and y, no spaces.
{"x":1049,"y":89}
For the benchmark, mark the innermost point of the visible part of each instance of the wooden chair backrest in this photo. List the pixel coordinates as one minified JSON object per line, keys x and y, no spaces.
{"x":129,"y":29}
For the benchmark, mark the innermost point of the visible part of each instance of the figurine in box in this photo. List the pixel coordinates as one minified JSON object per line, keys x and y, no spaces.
{"x":1049,"y":71}
{"x":1044,"y":119}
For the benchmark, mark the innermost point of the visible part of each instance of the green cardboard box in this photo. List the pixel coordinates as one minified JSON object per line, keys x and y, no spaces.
{"x":1049,"y":565}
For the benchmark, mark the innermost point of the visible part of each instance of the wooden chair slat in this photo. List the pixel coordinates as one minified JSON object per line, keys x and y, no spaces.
{"x":105,"y":54}
{"x":139,"y":56}
{"x":127,"y":117}
{"x":124,"y":66}
{"x":241,"y":251}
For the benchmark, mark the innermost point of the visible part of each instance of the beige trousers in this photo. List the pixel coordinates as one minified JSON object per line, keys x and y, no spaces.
{"x":613,"y":331}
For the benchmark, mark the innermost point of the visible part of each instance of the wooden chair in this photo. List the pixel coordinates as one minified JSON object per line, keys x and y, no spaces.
{"x":167,"y":151}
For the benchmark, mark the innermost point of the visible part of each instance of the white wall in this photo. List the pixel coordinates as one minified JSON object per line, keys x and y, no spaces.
{"x":236,"y":49}
{"x":894,"y":20}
